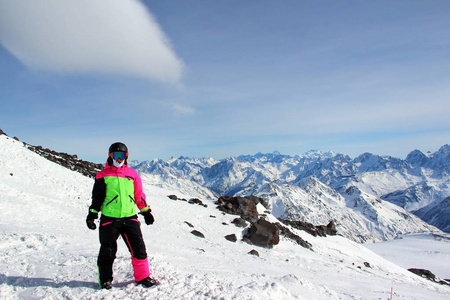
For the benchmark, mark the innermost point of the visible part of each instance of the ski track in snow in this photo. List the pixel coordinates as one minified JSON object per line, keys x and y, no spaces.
{"x":46,"y":251}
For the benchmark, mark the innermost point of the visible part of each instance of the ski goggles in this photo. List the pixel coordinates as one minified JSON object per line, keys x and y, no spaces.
{"x":118,"y":155}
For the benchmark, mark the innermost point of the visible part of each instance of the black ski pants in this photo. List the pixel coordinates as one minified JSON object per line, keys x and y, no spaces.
{"x":110,"y":230}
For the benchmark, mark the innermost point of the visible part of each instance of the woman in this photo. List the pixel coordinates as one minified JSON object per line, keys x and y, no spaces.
{"x":116,"y":193}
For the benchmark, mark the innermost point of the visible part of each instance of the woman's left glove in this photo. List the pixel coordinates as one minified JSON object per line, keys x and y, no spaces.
{"x":90,"y":220}
{"x":148,"y":217}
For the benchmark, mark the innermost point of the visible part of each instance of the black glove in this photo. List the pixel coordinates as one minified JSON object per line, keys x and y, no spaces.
{"x":148,"y":217}
{"x":90,"y":220}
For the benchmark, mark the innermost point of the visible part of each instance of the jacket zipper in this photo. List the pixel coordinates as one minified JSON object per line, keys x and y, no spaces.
{"x":112,"y":200}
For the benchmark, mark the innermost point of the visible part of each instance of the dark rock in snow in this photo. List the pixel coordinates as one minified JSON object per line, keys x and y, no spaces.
{"x":423,"y":273}
{"x":284,"y":231}
{"x":242,"y":206}
{"x":198,"y":233}
{"x":197,"y":201}
{"x":189,"y":224}
{"x":320,"y":230}
{"x":231,"y":237}
{"x":330,"y":229}
{"x":262,"y":233}
{"x":239,"y":222}
{"x":428,"y":275}
{"x":254,"y":252}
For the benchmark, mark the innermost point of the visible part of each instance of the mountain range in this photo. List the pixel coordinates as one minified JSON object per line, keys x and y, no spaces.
{"x":370,"y":198}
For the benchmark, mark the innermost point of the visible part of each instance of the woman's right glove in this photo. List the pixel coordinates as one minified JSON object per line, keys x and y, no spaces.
{"x":90,"y":220}
{"x":148,"y":217}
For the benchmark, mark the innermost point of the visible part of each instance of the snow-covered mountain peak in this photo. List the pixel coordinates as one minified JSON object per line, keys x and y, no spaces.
{"x":368,"y":162}
{"x":417,"y":158}
{"x":445,"y":149}
{"x":318,"y":154}
{"x":263,"y":158}
{"x":440,"y":161}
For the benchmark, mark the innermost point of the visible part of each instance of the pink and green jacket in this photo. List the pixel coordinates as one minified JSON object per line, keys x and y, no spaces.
{"x":117,"y":192}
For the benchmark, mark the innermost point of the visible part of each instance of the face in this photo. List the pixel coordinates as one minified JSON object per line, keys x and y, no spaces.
{"x":118,"y":156}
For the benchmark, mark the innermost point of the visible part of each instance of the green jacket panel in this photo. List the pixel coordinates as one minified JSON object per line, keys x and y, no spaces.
{"x":119,"y":201}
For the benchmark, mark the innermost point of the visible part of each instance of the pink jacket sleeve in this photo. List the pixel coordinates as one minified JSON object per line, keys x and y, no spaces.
{"x":139,"y":195}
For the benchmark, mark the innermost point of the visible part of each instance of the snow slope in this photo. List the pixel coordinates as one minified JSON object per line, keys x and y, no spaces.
{"x":46,"y":251}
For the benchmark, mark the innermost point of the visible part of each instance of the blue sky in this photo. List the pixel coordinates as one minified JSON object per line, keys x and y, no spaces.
{"x":225,"y":78}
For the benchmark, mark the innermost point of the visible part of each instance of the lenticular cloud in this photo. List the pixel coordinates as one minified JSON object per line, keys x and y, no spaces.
{"x":88,"y":36}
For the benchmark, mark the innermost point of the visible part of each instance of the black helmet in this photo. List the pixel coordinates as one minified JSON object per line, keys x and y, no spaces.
{"x":118,"y":147}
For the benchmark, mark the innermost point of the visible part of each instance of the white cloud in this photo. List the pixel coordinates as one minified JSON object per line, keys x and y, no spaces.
{"x":88,"y":36}
{"x":180,"y":109}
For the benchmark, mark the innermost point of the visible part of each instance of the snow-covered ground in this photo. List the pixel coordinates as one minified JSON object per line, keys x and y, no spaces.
{"x":421,"y":251}
{"x":46,"y":251}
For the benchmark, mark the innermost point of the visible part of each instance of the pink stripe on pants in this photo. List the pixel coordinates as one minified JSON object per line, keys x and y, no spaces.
{"x":140,"y":267}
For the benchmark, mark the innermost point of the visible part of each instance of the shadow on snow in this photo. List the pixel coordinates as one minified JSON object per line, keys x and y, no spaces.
{"x":23,"y":281}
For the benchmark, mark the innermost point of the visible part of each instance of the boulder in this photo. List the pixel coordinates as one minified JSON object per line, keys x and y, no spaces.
{"x":239,"y":222}
{"x":231,"y":238}
{"x":330,"y":229}
{"x":197,"y":201}
{"x":262,"y":233}
{"x":241,"y":206}
{"x":320,"y":230}
{"x":423,"y":273}
{"x":198,"y":233}
{"x":429,"y":275}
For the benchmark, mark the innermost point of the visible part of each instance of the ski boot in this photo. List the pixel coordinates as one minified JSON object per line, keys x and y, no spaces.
{"x":106,"y":285}
{"x":148,"y":282}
